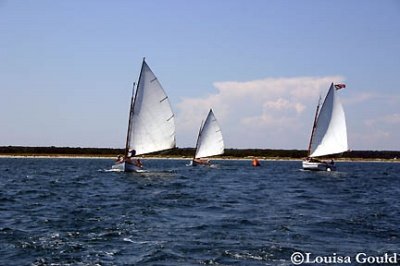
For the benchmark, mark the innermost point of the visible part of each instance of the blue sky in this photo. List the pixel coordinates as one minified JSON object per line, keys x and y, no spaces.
{"x":67,"y":68}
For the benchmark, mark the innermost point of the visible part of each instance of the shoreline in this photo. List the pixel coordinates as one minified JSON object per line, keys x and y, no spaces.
{"x":248,"y":158}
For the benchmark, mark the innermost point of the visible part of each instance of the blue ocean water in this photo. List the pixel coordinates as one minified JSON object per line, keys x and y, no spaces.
{"x":76,"y":212}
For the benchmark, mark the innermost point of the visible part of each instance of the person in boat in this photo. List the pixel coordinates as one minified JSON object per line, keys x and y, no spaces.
{"x":332,"y":162}
{"x":313,"y":160}
{"x":133,"y":161}
{"x":138,"y":163}
{"x":119,"y":159}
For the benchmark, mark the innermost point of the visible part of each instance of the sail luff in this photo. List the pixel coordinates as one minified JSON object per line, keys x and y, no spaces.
{"x":313,"y":128}
{"x":131,"y":113}
{"x":198,"y":137}
{"x":137,"y":91}
{"x":128,"y":135}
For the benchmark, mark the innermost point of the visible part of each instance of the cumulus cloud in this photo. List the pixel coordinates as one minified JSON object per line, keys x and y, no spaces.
{"x":361,"y":98}
{"x":283,"y":104}
{"x":265,"y":113}
{"x":391,"y":119}
{"x":374,"y":137}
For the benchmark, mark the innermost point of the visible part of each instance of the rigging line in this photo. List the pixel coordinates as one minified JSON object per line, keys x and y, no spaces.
{"x":172,"y":116}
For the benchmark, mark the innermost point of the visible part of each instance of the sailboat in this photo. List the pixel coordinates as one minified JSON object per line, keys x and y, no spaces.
{"x":151,"y":125}
{"x":329,"y":133}
{"x":209,"y":141}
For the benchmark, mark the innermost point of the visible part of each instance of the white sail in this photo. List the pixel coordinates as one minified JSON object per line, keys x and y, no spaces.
{"x":330,"y":134}
{"x":210,"y":141}
{"x":152,"y":120}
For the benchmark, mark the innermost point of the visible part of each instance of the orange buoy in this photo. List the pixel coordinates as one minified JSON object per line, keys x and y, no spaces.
{"x":255,"y":162}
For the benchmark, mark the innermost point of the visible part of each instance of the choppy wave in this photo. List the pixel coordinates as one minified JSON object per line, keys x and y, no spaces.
{"x":68,"y":212}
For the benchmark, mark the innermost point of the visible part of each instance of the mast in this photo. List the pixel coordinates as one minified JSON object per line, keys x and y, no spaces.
{"x":198,"y":137}
{"x":128,"y":137}
{"x":314,"y":126}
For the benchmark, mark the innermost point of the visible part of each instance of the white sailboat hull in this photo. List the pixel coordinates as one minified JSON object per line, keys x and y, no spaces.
{"x":126,"y":167}
{"x":318,"y":166}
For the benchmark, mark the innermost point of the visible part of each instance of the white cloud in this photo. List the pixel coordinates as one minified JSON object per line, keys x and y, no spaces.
{"x":379,"y":132}
{"x":265,"y":113}
{"x":283,"y":104}
{"x":373,"y":136}
{"x":278,"y":113}
{"x":392,"y":119}
{"x":360,"y":98}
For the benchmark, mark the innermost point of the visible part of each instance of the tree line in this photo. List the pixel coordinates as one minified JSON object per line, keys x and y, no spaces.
{"x":189,"y":152}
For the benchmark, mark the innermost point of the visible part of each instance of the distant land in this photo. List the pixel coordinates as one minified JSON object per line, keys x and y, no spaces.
{"x":188,"y":153}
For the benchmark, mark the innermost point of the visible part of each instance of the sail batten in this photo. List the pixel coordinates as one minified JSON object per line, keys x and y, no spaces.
{"x":153,"y":123}
{"x":330,"y":133}
{"x":210,"y":141}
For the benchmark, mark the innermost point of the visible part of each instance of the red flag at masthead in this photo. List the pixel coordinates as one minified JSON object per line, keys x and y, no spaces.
{"x":340,"y":86}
